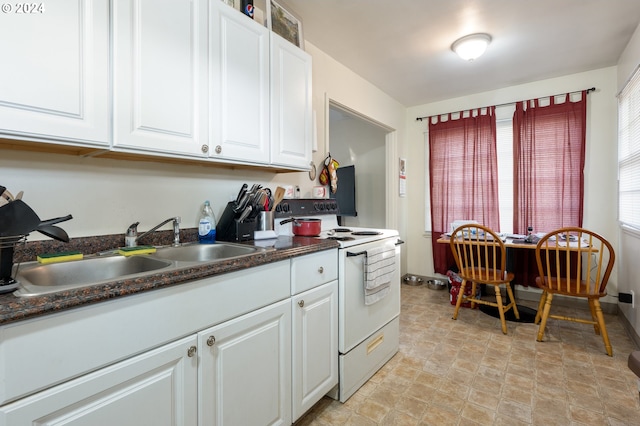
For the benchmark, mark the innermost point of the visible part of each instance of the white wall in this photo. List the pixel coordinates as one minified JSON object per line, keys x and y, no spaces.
{"x":332,"y":80}
{"x":629,"y":239}
{"x":601,"y":158}
{"x":357,"y":142}
{"x":106,"y":196}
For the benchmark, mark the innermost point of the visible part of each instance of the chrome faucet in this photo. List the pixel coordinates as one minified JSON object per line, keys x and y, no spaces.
{"x":132,"y":236}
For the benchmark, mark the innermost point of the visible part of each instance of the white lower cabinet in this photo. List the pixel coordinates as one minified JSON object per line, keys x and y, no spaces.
{"x":315,"y":345}
{"x":155,"y":388}
{"x":245,"y":369}
{"x":254,"y":353}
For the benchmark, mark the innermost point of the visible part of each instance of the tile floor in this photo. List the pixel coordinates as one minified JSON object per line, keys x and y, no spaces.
{"x":466,"y":372}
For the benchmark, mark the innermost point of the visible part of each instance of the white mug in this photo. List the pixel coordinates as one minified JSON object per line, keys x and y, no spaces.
{"x":319,"y":191}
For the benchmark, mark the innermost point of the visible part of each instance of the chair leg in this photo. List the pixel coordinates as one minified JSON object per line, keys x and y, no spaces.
{"x":603,"y":328}
{"x":545,"y":316}
{"x":594,"y":317}
{"x":473,"y":294}
{"x":543,"y":298}
{"x":460,"y":297}
{"x":512,"y":301}
{"x":500,"y":309}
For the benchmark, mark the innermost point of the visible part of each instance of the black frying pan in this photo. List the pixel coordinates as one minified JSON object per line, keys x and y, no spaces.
{"x":56,"y":220}
{"x":54,"y":232}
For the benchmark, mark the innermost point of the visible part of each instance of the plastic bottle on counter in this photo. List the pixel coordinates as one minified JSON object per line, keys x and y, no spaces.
{"x":207,"y":225}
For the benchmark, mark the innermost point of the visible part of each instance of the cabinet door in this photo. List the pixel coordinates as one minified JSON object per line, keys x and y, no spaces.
{"x":55,"y":71}
{"x":239,"y":52}
{"x":291,"y":116}
{"x":160,"y":76}
{"x":315,"y":345}
{"x":245,"y":369}
{"x":156,"y":388}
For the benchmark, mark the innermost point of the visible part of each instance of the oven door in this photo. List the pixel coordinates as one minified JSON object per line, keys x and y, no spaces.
{"x":358,"y":321}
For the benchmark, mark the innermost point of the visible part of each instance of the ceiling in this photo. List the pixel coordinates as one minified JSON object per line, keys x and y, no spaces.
{"x":403,"y":46}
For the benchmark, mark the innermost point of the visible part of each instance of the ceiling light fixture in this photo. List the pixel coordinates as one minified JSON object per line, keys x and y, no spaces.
{"x":472,"y":46}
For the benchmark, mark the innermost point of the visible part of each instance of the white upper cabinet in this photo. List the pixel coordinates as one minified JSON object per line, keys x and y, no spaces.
{"x":184,"y":79}
{"x":239,"y":95}
{"x":160,"y":76}
{"x":55,"y":71}
{"x":291,"y":112}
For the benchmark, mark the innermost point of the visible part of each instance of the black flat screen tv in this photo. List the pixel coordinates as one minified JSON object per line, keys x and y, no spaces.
{"x":346,"y":193}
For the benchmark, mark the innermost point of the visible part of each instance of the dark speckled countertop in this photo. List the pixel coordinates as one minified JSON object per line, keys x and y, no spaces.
{"x":13,"y":308}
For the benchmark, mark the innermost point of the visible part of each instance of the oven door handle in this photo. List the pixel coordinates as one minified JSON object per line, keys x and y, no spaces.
{"x":360,"y":253}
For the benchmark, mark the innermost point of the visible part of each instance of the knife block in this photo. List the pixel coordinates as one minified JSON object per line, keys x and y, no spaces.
{"x":230,"y":229}
{"x":6,"y":264}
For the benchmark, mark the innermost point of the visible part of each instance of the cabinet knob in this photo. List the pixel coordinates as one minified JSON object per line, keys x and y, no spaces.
{"x":205,"y":148}
{"x":191,"y":351}
{"x":321,"y":269}
{"x":301,"y":303}
{"x":218,"y":149}
{"x":211,"y":340}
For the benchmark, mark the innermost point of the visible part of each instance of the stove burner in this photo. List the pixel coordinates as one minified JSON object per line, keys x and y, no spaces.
{"x":366,"y":233}
{"x":342,"y":230}
{"x":341,"y":238}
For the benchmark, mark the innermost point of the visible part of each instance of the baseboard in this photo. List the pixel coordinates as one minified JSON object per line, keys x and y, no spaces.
{"x":630,"y":331}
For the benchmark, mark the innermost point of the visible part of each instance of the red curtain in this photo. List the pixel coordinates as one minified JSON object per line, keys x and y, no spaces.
{"x":549,"y":155}
{"x":463,"y":176}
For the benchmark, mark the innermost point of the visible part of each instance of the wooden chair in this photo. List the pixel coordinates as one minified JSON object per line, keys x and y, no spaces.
{"x":481,"y":257}
{"x":574,"y":262}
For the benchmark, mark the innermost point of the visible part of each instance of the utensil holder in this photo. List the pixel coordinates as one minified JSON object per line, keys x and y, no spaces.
{"x":265,"y":220}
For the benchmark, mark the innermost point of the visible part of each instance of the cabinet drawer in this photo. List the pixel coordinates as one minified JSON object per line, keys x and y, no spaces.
{"x":311,"y":270}
{"x":362,"y":362}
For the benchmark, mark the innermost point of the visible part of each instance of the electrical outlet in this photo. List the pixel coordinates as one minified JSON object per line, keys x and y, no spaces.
{"x":633,"y":299}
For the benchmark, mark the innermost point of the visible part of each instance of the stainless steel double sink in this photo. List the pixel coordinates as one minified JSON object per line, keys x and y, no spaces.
{"x":36,"y":279}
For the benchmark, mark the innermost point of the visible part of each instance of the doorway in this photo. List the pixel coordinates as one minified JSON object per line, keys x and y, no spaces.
{"x":359,"y":141}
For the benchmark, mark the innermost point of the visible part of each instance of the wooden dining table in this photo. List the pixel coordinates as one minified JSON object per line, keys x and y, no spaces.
{"x":523,"y":263}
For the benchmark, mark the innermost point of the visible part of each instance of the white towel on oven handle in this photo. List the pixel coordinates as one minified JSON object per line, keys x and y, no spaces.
{"x":376,"y":294}
{"x":380,"y":266}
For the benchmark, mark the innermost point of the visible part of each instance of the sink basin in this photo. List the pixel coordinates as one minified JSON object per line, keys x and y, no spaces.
{"x":41,"y":279}
{"x":206,"y":252}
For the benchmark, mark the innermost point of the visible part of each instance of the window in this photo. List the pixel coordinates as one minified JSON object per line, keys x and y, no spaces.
{"x":504,"y":144}
{"x":629,"y":153}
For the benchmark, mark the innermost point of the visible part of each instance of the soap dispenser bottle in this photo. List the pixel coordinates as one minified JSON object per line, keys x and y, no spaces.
{"x":207,"y":225}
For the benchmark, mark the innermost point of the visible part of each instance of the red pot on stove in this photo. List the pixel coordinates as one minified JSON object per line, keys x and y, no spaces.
{"x":305,"y":227}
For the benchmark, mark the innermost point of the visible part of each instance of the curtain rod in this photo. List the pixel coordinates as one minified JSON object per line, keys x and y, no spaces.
{"x":592,"y":89}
